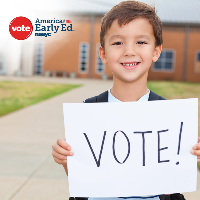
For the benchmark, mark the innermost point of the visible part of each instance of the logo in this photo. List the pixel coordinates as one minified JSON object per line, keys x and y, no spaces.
{"x":46,"y":27}
{"x":20,"y":28}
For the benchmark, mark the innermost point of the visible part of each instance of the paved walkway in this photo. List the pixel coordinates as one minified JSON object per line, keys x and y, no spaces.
{"x":27,"y":169}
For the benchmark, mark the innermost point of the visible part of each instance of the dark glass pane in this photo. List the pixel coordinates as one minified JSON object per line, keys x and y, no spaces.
{"x":39,"y":58}
{"x":83,"y":58}
{"x":83,"y":52}
{"x":198,"y":56}
{"x":38,"y":68}
{"x":100,"y":69}
{"x":157,"y":65}
{"x":83,"y":68}
{"x":168,"y":65}
{"x":169,"y":54}
{"x":83,"y":55}
{"x":84,"y":47}
{"x":39,"y":51}
{"x":162,"y":54}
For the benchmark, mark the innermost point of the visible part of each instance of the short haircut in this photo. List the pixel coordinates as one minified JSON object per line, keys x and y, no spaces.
{"x":125,"y":12}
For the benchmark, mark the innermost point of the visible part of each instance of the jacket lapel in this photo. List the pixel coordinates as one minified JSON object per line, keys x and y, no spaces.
{"x":103,"y":97}
{"x":153,"y":96}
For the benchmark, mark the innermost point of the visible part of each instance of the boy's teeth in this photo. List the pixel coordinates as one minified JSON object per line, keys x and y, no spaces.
{"x":130,"y":64}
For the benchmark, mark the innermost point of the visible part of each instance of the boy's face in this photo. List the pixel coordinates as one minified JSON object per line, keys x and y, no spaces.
{"x":130,"y":49}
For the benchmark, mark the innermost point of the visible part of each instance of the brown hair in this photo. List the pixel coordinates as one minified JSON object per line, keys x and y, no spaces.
{"x":125,"y":12}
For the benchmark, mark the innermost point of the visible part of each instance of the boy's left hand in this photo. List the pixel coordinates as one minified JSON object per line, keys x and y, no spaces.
{"x":196,"y":150}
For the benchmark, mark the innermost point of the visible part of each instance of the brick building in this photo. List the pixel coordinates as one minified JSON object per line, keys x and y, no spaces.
{"x":180,"y":58}
{"x":75,"y":53}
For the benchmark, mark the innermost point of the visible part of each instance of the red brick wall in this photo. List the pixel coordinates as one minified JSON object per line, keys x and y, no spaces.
{"x":173,"y":39}
{"x":193,"y":47}
{"x":62,"y":50}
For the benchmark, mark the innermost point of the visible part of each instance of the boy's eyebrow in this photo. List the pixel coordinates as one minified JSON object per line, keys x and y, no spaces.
{"x":121,"y":37}
{"x":115,"y":36}
{"x":143,"y":36}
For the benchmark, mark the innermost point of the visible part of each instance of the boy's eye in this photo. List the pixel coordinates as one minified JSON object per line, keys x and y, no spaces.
{"x":117,"y":43}
{"x":141,"y":42}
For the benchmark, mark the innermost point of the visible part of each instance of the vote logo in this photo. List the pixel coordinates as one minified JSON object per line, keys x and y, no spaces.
{"x":20,"y":28}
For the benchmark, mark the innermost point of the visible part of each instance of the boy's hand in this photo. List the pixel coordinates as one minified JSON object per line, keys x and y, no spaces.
{"x":61,"y":149}
{"x":196,"y":150}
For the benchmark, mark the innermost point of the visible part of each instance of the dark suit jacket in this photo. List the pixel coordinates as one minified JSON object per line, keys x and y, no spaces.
{"x":103,"y":97}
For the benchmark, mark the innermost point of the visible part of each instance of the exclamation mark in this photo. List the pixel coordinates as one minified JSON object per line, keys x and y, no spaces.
{"x":179,"y":142}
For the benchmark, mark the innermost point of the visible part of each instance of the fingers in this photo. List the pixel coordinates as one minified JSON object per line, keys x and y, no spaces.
{"x":196,"y":146}
{"x":63,"y":148}
{"x":198,"y":139}
{"x":195,"y":152}
{"x":58,"y":156}
{"x":196,"y":149}
{"x":64,"y":144}
{"x":60,"y":150}
{"x":60,"y":161}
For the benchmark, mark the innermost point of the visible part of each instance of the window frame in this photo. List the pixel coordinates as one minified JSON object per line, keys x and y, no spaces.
{"x":2,"y":61}
{"x":173,"y":63}
{"x":42,"y":57}
{"x":196,"y":62}
{"x":97,"y":59}
{"x":87,"y":59}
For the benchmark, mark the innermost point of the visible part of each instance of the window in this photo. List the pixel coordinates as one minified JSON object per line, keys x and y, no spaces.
{"x":198,"y":61}
{"x":2,"y":65}
{"x":83,"y":60}
{"x":165,"y":62}
{"x":39,"y":57}
{"x":99,"y":65}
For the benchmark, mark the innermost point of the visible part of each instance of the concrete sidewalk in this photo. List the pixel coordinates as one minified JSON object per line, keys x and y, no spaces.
{"x":27,"y":169}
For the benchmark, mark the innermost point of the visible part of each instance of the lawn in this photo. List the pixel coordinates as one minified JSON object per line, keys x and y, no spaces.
{"x":176,"y":90}
{"x":16,"y":95}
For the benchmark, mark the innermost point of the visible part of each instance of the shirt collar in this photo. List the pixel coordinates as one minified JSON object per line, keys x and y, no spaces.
{"x":111,"y":98}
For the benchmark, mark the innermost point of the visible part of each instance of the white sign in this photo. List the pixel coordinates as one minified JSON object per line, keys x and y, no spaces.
{"x":131,"y":148}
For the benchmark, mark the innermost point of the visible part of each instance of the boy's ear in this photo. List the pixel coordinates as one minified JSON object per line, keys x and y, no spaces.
{"x":102,"y":55}
{"x":157,"y":53}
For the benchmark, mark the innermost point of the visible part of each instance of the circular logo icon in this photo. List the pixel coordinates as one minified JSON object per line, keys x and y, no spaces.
{"x":20,"y":28}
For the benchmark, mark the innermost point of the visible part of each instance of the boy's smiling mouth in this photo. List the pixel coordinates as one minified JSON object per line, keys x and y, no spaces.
{"x":130,"y":65}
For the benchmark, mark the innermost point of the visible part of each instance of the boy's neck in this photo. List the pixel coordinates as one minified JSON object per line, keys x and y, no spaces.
{"x":133,"y":91}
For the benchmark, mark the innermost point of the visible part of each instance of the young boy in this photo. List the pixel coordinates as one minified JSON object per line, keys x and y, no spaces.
{"x":131,"y":38}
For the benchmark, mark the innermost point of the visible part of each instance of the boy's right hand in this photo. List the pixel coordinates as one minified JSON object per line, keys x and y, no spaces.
{"x":61,"y":149}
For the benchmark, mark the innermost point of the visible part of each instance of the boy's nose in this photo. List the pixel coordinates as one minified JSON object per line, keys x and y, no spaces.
{"x":129,"y":51}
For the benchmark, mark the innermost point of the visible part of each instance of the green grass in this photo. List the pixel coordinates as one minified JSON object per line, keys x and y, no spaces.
{"x":16,"y":95}
{"x":176,"y":90}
